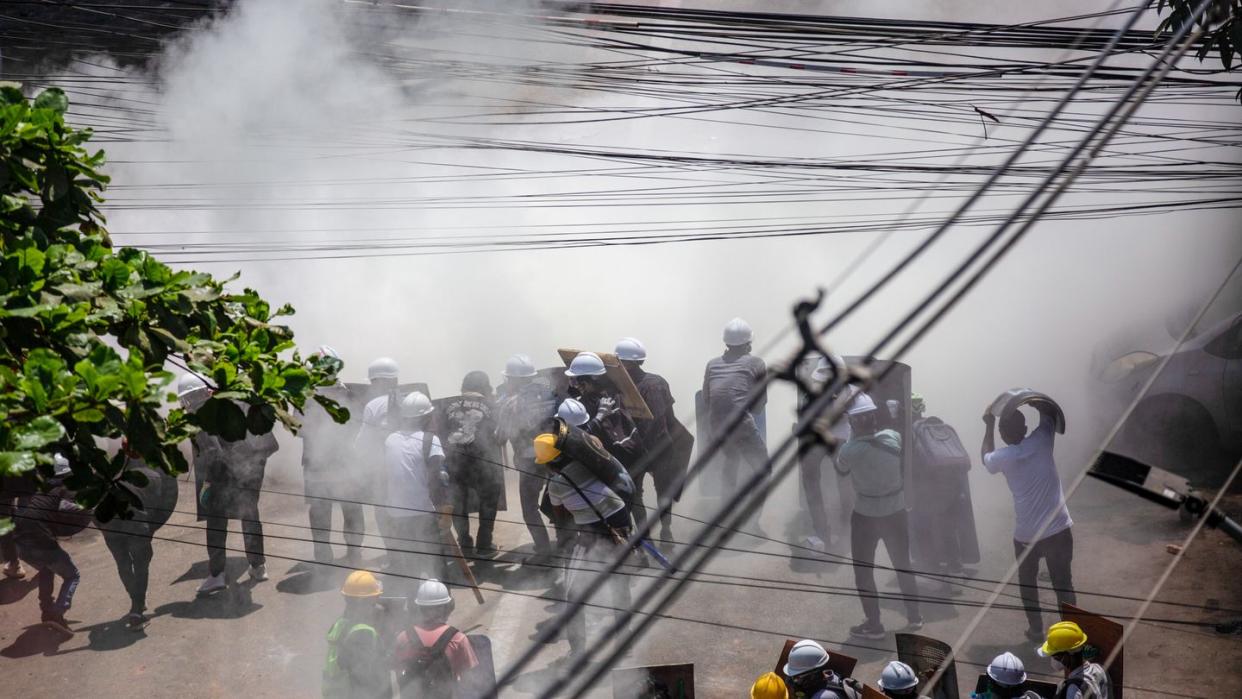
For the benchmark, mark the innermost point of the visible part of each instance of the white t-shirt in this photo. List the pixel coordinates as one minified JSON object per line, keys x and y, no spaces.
{"x":1031,"y":473}
{"x":408,"y":476}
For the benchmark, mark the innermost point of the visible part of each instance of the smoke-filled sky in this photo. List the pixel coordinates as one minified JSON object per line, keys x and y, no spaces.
{"x":448,"y":178}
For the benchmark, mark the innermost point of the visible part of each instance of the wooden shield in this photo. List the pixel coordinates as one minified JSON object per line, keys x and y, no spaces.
{"x":927,"y":655}
{"x":631,"y":399}
{"x":869,"y":693}
{"x":838,"y":662}
{"x":1104,"y":635}
{"x":654,"y":682}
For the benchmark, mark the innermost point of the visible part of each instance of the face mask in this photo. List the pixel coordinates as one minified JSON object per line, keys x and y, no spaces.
{"x":1057,"y":665}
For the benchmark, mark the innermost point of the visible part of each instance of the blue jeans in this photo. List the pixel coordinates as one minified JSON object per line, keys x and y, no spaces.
{"x":51,"y":560}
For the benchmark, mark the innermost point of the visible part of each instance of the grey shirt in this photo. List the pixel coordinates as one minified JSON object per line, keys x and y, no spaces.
{"x":728,"y":380}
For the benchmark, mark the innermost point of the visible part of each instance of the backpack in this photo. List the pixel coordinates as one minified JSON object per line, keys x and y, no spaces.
{"x":429,"y":675}
{"x":938,"y":448}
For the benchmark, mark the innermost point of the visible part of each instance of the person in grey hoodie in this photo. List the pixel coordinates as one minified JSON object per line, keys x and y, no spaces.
{"x":872,"y":461}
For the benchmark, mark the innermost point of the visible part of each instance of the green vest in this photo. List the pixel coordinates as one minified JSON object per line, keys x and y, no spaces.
{"x":336,"y":681}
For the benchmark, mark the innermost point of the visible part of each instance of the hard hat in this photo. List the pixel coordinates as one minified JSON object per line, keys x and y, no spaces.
{"x":519,"y":366}
{"x":737,"y":332}
{"x":416,"y":405}
{"x":823,"y":368}
{"x":586,"y":364}
{"x":1063,"y":637}
{"x":327,"y":351}
{"x":897,"y":676}
{"x":1006,"y":669}
{"x":769,"y":686}
{"x":862,"y":403}
{"x":188,"y":384}
{"x":573,"y":412}
{"x":545,"y":448}
{"x":432,"y":593}
{"x":630,"y":349}
{"x":60,"y":465}
{"x":917,"y":404}
{"x":805,"y":656}
{"x":362,"y":583}
{"x":383,"y":368}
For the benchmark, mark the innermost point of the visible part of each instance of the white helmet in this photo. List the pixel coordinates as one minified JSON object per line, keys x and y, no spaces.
{"x":862,"y":403}
{"x":192,"y":390}
{"x":630,"y":349}
{"x":897,"y":676}
{"x":573,"y":412}
{"x":519,"y":366}
{"x":737,"y":332}
{"x":805,"y":656}
{"x":383,"y":368}
{"x":586,"y":364}
{"x":823,"y":368}
{"x":327,"y":351}
{"x":1006,"y":669}
{"x":432,"y":593}
{"x":416,"y":405}
{"x":60,"y":465}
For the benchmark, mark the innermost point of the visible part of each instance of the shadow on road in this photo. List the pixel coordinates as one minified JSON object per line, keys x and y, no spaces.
{"x":111,"y":635}
{"x":35,"y":640}
{"x":12,"y":590}
{"x":233,"y":602}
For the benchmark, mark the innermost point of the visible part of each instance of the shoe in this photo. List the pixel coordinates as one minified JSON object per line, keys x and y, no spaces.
{"x":258,"y":573}
{"x":56,"y":622}
{"x":136,"y":621}
{"x":872,"y":630}
{"x":212,"y":584}
{"x":912,"y":625}
{"x":14,"y":571}
{"x":486,"y":550}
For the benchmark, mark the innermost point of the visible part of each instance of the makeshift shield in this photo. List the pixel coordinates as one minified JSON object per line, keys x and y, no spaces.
{"x":927,"y":656}
{"x":1015,"y":398}
{"x":838,"y":662}
{"x":1103,"y":635}
{"x":1047,"y":690}
{"x":654,"y":682}
{"x":631,"y":399}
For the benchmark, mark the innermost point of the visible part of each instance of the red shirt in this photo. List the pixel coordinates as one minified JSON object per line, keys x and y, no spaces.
{"x":458,"y":651}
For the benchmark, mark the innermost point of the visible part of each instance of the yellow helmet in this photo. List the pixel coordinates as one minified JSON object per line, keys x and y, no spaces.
{"x":361,"y":583}
{"x":769,"y":686}
{"x":545,"y":448}
{"x":1063,"y":637}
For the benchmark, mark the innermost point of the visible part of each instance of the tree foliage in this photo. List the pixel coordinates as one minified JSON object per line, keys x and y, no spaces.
{"x":1223,"y":21}
{"x":87,"y":331}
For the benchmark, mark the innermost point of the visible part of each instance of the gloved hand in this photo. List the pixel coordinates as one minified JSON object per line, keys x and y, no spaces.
{"x":607,"y":406}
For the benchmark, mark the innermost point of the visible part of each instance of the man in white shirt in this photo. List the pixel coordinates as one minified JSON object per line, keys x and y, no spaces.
{"x":1041,"y":520}
{"x":417,"y":492}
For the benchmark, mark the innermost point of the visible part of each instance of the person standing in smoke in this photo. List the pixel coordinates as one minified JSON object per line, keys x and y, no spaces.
{"x":657,"y":433}
{"x":129,"y":540}
{"x":524,"y":405}
{"x":727,"y":382}
{"x":872,"y":460}
{"x":1041,"y":520}
{"x":608,"y":420}
{"x":327,"y":479}
{"x":813,"y":459}
{"x":228,"y":478}
{"x":477,"y":479}
{"x":942,"y":519}
{"x":379,"y":418}
{"x":417,"y":492}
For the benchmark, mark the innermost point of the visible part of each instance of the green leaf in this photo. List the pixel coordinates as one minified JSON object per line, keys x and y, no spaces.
{"x":6,"y":526}
{"x":222,"y":417}
{"x":14,"y":463}
{"x":260,"y":419}
{"x":52,"y":98}
{"x":38,"y":433}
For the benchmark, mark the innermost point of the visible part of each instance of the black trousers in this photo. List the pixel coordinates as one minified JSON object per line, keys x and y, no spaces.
{"x":811,"y":462}
{"x":132,"y":554}
{"x":45,"y":555}
{"x":866,"y":533}
{"x":1058,"y":551}
{"x":531,"y":479}
{"x":744,"y":447}
{"x":320,"y":516}
{"x":245,"y":507}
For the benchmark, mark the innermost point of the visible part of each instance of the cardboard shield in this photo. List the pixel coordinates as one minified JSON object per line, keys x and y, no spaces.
{"x":1015,"y":398}
{"x":654,"y":682}
{"x":838,"y":662}
{"x":1104,"y":635}
{"x":927,"y":656}
{"x":681,"y":448}
{"x":631,"y":399}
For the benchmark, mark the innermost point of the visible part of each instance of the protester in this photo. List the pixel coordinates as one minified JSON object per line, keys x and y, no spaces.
{"x":898,"y":680}
{"x":727,"y":383}
{"x":942,"y":519}
{"x":228,"y":478}
{"x":655,"y":433}
{"x":129,"y":540}
{"x":524,"y":405}
{"x":328,"y":480}
{"x":813,"y":459}
{"x":432,"y":659}
{"x":477,"y":480}
{"x":379,"y":419}
{"x":1006,"y":679}
{"x":1042,"y":524}
{"x":593,"y":486}
{"x":40,"y":517}
{"x":417,"y":491}
{"x":769,"y":686}
{"x":609,"y":421}
{"x":872,"y":460}
{"x":355,"y":667}
{"x":809,"y":674}
{"x":1065,"y":645}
